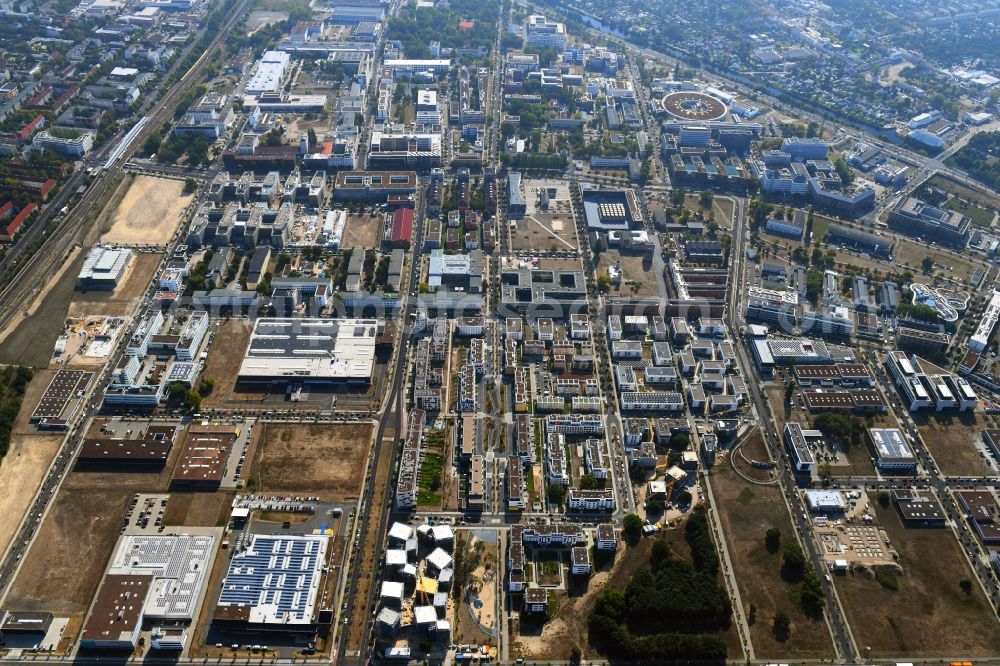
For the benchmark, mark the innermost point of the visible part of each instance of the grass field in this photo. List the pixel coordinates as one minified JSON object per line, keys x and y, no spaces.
{"x":928,"y":605}
{"x":259,"y":18}
{"x":911,"y":254}
{"x":323,"y":460}
{"x":977,"y":214}
{"x":431,"y":477}
{"x":554,"y":639}
{"x":547,"y":565}
{"x":950,"y":439}
{"x":852,"y":461}
{"x":721,"y":208}
{"x":967,"y":193}
{"x":821,"y":224}
{"x":747,"y":511}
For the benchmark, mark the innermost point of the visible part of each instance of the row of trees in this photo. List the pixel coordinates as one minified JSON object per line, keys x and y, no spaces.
{"x":534,"y":161}
{"x":14,"y":381}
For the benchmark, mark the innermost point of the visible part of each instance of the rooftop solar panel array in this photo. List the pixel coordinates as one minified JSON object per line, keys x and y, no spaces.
{"x":277,"y":577}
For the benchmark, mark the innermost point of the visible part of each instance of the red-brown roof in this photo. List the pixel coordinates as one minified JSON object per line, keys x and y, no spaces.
{"x":11,"y":228}
{"x":402,"y":224}
{"x":30,"y":127}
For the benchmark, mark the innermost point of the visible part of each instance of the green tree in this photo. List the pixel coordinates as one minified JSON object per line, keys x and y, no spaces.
{"x":660,"y":552}
{"x":556,"y":493}
{"x":789,"y":390}
{"x":811,"y":595}
{"x":772,"y":540}
{"x":844,"y":171}
{"x":632,"y":527}
{"x":193,"y":401}
{"x":588,"y":482}
{"x":793,"y":564}
{"x":190,"y":185}
{"x":927,"y":264}
{"x":206,"y":386}
{"x":781,"y":627}
{"x":610,"y":603}
{"x":679,"y":441}
{"x":152,"y":144}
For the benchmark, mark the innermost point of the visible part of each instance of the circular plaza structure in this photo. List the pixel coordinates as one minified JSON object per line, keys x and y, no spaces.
{"x":694,"y":106}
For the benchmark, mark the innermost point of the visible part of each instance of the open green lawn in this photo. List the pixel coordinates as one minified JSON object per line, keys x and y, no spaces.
{"x":978,"y":215}
{"x":820,"y":226}
{"x":430,"y":480}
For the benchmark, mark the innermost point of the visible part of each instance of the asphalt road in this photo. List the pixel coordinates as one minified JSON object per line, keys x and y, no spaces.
{"x":843,"y":641}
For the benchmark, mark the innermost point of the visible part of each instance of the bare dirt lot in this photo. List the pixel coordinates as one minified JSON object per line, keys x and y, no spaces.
{"x":928,"y":603}
{"x":27,"y":461}
{"x":261,"y":17}
{"x":544,"y":232}
{"x":61,"y":572}
{"x":323,"y":460}
{"x":912,"y":254}
{"x":747,"y":511}
{"x":721,"y":209}
{"x":950,"y":439}
{"x":125,"y":298}
{"x":21,"y":472}
{"x":475,"y":610}
{"x":638,"y":276}
{"x":361,"y":231}
{"x":368,"y":560}
{"x":224,"y":358}
{"x":31,"y":337}
{"x":148,"y":213}
{"x":198,"y":509}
